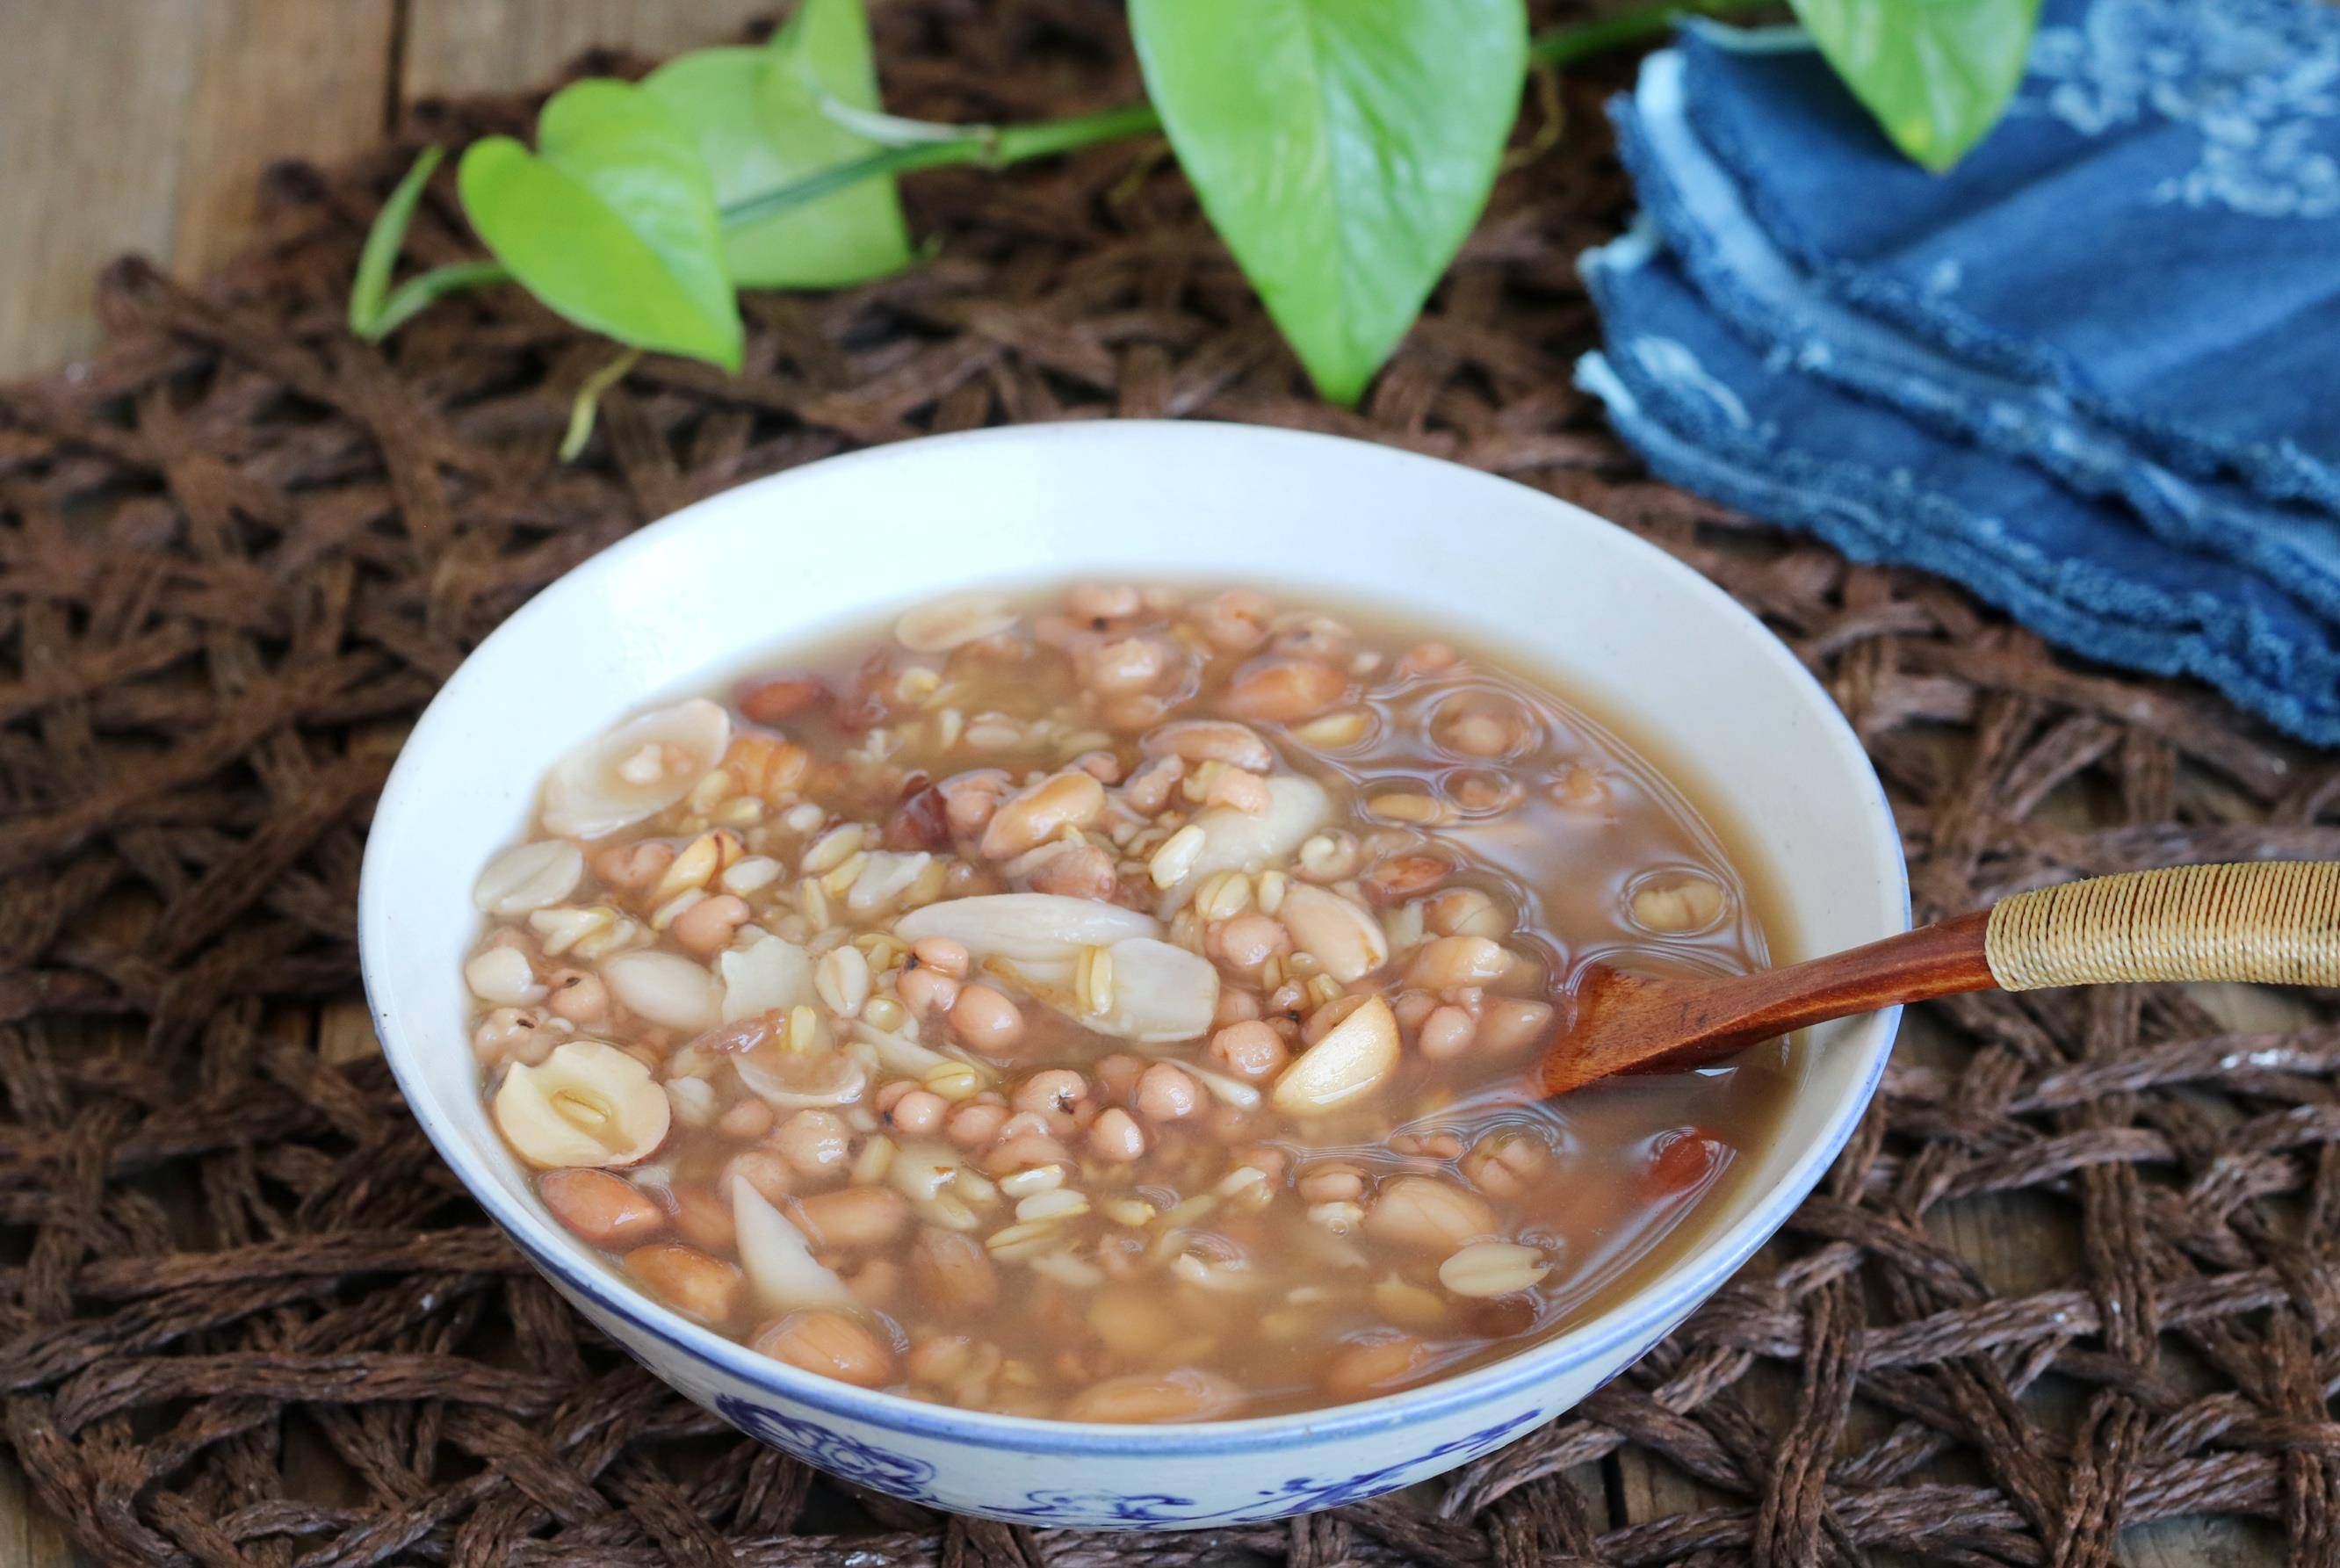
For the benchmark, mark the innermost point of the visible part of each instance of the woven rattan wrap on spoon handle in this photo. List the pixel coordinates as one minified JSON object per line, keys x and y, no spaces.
{"x":2274,"y":922}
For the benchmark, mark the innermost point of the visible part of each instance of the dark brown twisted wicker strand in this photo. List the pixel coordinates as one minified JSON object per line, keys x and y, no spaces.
{"x":2078,"y":1274}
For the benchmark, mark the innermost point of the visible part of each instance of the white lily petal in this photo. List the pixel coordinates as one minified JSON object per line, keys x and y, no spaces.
{"x":1239,"y":841}
{"x":769,"y":973}
{"x":833,"y":1079}
{"x":641,"y":767}
{"x":1026,"y":927}
{"x":777,"y":1260}
{"x":1159,"y":993}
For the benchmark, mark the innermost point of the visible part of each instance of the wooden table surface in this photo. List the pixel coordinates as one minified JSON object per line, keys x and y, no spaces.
{"x":145,"y":125}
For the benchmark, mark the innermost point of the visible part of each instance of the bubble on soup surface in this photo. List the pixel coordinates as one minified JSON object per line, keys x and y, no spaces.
{"x":635,"y":770}
{"x":1678,"y":903}
{"x":1483,"y":724}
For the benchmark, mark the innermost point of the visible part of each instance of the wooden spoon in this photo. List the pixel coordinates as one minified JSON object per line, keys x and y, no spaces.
{"x":2273,"y":922}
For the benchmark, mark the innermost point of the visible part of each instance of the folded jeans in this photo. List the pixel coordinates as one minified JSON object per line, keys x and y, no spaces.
{"x":2020,"y":375}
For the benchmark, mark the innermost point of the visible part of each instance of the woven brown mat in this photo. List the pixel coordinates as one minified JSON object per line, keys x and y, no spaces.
{"x":245,"y":1317}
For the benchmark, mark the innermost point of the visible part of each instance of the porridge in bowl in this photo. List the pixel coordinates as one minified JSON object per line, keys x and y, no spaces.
{"x":1116,"y":1004}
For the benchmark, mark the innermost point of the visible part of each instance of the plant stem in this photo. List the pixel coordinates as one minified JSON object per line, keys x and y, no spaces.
{"x":1018,"y":143}
{"x":368,"y":294}
{"x":425,"y":289}
{"x":588,"y":402}
{"x":993,"y":146}
{"x":1583,"y":40}
{"x":997,"y":146}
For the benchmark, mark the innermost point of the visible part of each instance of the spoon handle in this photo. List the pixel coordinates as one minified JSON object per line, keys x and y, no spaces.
{"x":2277,"y":922}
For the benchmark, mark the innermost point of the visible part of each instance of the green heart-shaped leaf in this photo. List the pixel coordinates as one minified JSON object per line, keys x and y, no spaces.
{"x":1343,"y":149}
{"x":611,"y":221}
{"x":757,"y":114}
{"x":1936,"y":74}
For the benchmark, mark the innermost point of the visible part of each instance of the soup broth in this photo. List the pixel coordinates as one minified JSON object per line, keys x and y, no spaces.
{"x":1116,"y":1004}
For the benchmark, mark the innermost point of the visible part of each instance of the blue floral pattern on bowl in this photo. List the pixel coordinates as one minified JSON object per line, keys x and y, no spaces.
{"x":903,"y":1476}
{"x":826,"y":1448}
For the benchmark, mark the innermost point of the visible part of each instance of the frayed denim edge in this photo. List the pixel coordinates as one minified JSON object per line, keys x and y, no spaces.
{"x":1848,"y":519}
{"x":2117,"y":598}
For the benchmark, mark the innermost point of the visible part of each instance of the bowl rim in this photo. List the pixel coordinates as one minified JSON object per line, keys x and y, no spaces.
{"x":1647,"y":1315}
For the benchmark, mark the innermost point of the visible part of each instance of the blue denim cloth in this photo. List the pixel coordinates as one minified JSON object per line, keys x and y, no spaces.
{"x":2027,"y":374}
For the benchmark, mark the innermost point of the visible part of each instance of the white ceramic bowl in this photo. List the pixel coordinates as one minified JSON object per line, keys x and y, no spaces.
{"x":829,"y":545}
